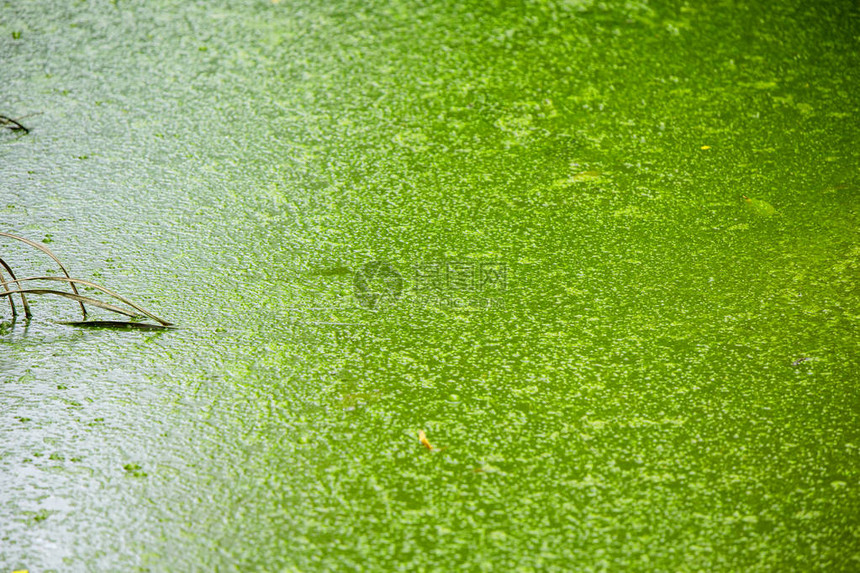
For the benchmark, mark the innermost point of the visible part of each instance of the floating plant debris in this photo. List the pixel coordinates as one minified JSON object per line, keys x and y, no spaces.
{"x":12,"y":124}
{"x":15,"y":286}
{"x":422,"y":437}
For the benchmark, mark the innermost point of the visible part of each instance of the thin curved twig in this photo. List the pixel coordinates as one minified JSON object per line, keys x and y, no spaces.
{"x":11,"y":300}
{"x":77,"y":297}
{"x":88,"y":300}
{"x":14,"y":124}
{"x":24,"y":302}
{"x":47,"y":251}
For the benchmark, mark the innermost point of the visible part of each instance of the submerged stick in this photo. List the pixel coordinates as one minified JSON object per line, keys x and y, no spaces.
{"x":114,"y":324}
{"x":47,"y":251}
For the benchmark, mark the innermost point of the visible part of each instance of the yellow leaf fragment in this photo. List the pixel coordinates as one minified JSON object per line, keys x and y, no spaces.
{"x":705,"y":147}
{"x":422,"y":437}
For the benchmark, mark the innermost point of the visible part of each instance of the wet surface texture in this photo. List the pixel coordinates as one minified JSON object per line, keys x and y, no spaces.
{"x":583,"y":247}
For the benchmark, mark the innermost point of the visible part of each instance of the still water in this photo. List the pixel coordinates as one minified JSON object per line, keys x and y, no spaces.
{"x":604,"y":255}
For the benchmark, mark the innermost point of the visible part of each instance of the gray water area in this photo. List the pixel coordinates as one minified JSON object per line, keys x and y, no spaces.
{"x":517,"y":227}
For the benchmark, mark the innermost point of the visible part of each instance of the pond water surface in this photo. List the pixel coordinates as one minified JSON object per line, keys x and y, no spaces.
{"x":518,"y":227}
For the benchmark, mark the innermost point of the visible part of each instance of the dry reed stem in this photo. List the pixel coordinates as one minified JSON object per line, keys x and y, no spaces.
{"x":75,"y":295}
{"x":47,"y":251}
